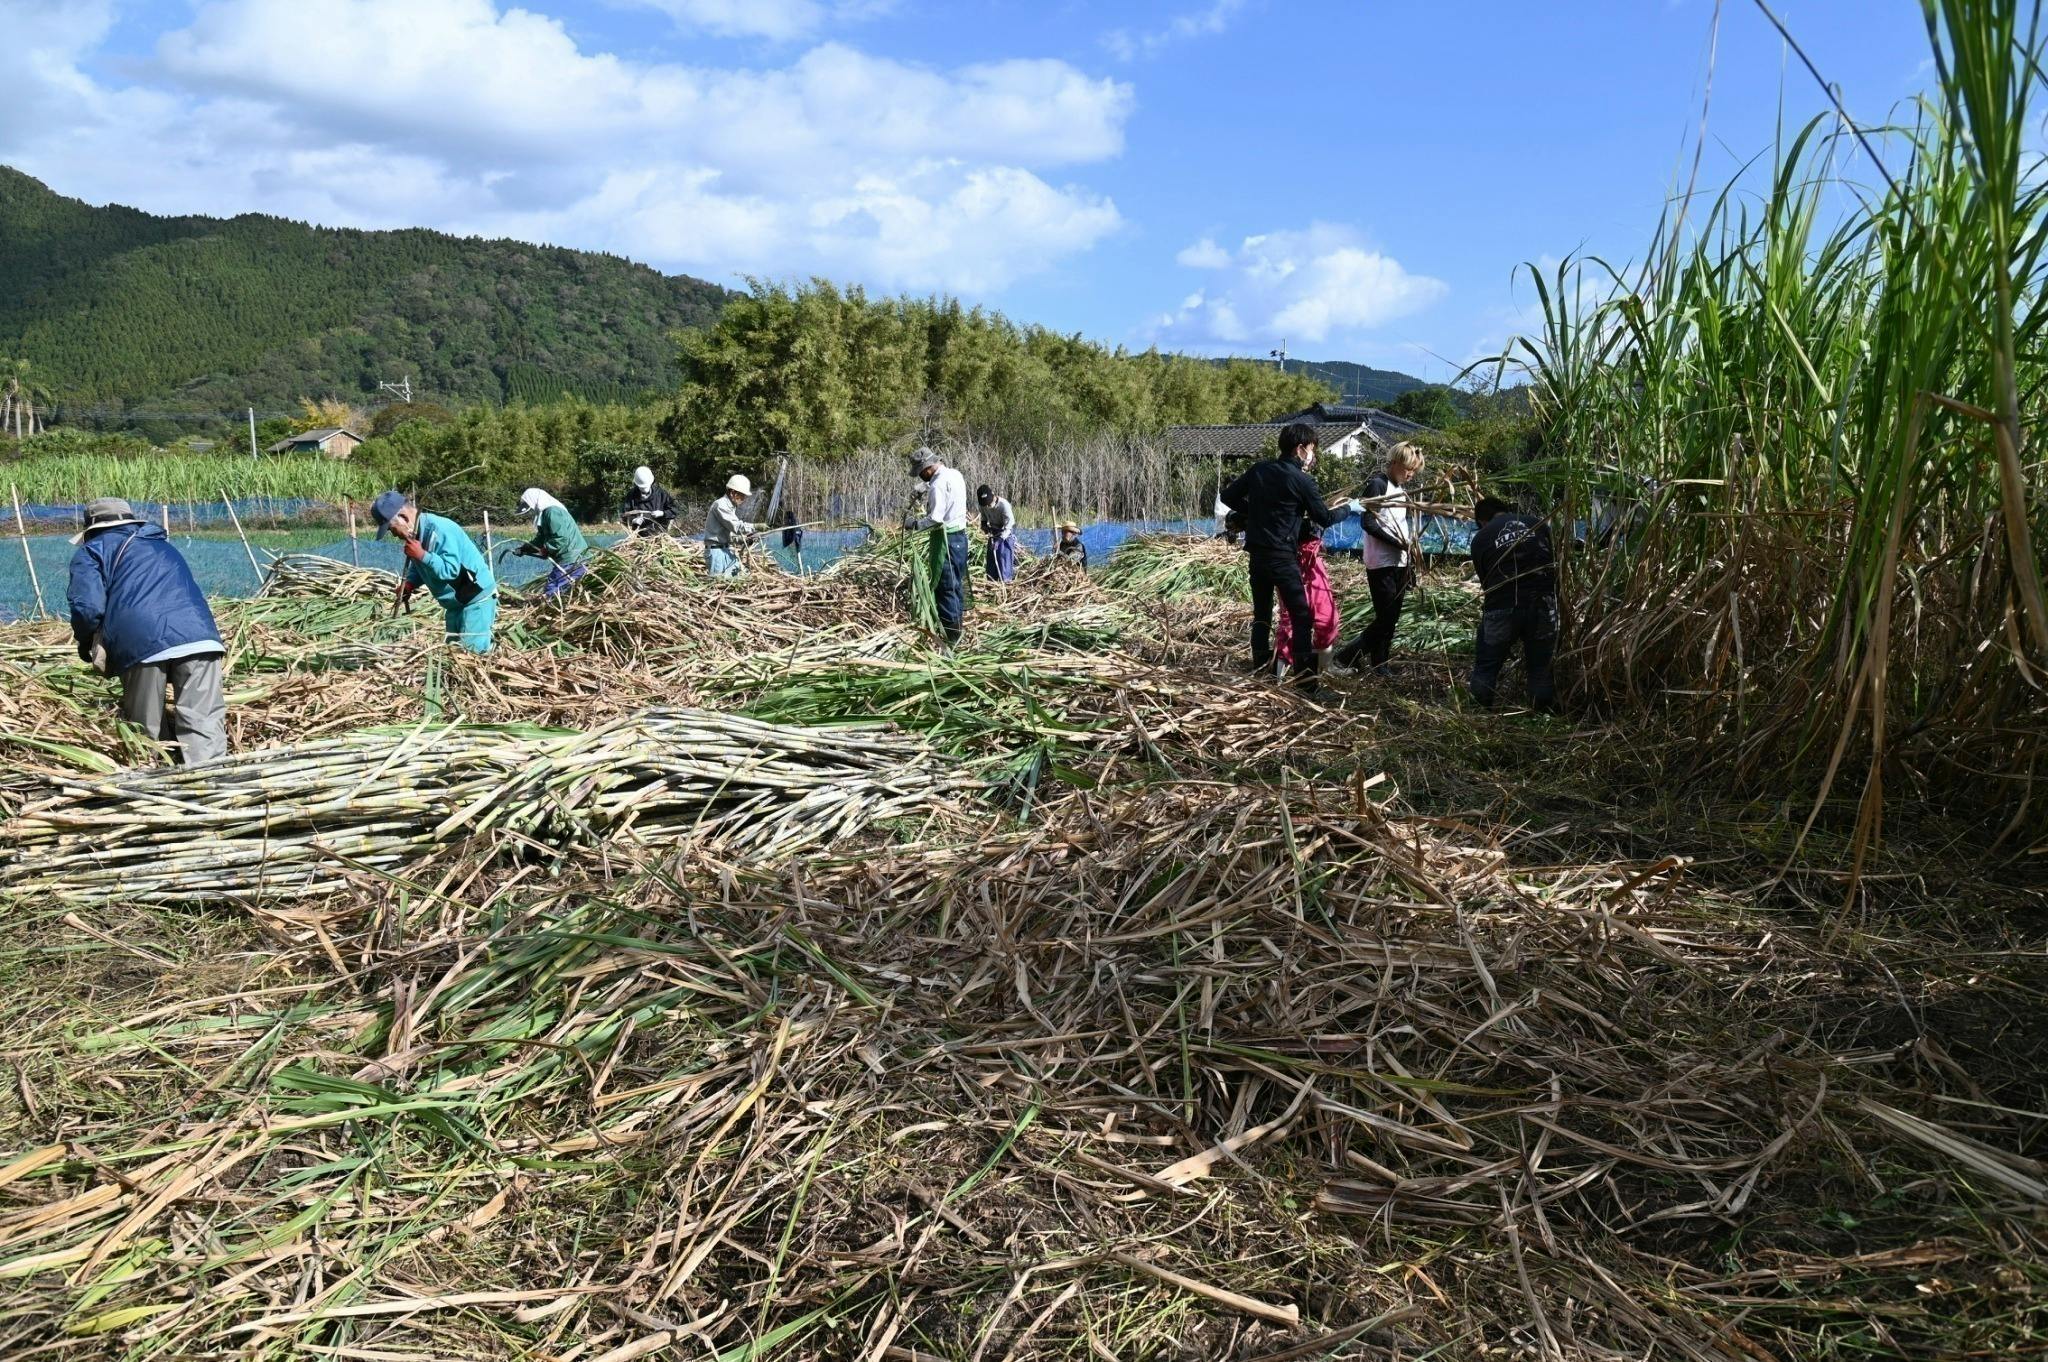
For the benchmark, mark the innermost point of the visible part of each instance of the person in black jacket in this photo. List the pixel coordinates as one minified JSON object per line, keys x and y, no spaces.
{"x":648,"y":508}
{"x":1517,"y":570}
{"x":1271,"y":498}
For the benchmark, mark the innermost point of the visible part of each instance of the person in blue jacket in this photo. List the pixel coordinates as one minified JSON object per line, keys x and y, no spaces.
{"x":441,"y":557}
{"x":138,"y":614}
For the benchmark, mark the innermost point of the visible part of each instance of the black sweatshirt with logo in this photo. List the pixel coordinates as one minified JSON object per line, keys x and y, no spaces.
{"x":1512,"y":553}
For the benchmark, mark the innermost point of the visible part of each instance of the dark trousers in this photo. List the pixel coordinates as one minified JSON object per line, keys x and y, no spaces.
{"x":1375,"y":643}
{"x":949,"y":588}
{"x":1534,"y":626}
{"x":1273,"y":573}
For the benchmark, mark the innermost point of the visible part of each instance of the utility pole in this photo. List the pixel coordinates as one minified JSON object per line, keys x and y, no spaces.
{"x":1280,"y":355}
{"x":252,"y":432}
{"x":402,"y":389}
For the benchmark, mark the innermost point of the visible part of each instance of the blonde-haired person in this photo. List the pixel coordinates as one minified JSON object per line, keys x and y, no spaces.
{"x":1390,"y":553}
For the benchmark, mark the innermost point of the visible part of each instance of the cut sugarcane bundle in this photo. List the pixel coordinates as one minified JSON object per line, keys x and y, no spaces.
{"x":295,"y":820}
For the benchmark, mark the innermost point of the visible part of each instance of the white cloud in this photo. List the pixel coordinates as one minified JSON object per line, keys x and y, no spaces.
{"x":778,"y":20}
{"x":1309,"y":286}
{"x":460,"y":115}
{"x":1206,"y":22}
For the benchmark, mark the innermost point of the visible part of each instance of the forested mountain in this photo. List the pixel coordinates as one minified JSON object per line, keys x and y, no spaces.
{"x":117,"y":308}
{"x":1357,"y":384}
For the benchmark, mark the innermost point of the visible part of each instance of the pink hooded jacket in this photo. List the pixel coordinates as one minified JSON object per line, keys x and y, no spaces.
{"x":1322,"y":603}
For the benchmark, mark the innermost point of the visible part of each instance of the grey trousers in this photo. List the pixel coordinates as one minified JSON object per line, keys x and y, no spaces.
{"x":199,"y":721}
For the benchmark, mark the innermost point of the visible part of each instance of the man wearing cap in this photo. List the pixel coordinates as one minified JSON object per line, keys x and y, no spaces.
{"x":999,"y":523}
{"x":945,"y":516}
{"x":138,"y":614}
{"x":648,"y":509}
{"x":724,"y":531}
{"x":440,"y":556}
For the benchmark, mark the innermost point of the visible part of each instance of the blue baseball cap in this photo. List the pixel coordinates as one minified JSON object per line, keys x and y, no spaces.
{"x":387,"y":505}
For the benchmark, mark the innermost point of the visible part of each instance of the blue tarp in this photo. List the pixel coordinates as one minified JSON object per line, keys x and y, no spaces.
{"x":222,"y":565}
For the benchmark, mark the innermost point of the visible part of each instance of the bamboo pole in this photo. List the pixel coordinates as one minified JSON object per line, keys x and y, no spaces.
{"x":166,"y":512}
{"x":355,"y":547}
{"x":487,"y":534}
{"x":246,"y":547}
{"x":21,"y":524}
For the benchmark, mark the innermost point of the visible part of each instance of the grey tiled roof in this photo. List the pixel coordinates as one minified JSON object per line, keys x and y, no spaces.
{"x":1375,"y":428}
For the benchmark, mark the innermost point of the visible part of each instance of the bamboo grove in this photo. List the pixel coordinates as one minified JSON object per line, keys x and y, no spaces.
{"x":1794,"y":448}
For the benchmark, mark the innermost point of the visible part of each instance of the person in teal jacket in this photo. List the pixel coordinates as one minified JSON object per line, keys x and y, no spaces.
{"x":446,"y":561}
{"x":556,"y":537}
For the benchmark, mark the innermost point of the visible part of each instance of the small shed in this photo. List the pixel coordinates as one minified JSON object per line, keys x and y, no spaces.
{"x":334,"y":442}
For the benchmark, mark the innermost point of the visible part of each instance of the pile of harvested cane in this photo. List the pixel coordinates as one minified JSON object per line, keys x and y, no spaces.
{"x":1204,"y":1070}
{"x":313,"y":574}
{"x":1172,"y":566}
{"x":296,"y":821}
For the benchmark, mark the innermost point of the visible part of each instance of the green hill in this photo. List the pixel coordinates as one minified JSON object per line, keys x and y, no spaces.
{"x":115,"y":307}
{"x":1357,"y":384}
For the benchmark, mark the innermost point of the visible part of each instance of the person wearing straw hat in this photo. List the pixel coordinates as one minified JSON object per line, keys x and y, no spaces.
{"x":138,"y":614}
{"x":648,"y":508}
{"x":999,"y":523}
{"x":1070,"y":549}
{"x":724,"y":531}
{"x":441,"y":556}
{"x":557,"y":538}
{"x":945,"y":517}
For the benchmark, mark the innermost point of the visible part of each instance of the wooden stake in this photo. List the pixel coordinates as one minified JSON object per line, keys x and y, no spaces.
{"x":245,"y":538}
{"x":21,"y":524}
{"x":355,"y":548}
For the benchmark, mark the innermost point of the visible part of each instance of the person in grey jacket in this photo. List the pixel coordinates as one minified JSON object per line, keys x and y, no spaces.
{"x":999,"y":523}
{"x":137,"y":613}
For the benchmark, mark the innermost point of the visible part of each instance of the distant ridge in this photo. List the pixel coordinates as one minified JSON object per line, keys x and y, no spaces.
{"x":113,"y":306}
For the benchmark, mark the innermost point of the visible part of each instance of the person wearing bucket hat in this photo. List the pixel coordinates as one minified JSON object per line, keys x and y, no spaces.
{"x":724,"y":532}
{"x":137,"y":613}
{"x":648,"y":508}
{"x":945,"y":518}
{"x":440,"y":556}
{"x":1070,"y":548}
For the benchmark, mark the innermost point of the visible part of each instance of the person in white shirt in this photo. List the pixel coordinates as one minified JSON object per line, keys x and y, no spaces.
{"x":999,"y":523}
{"x":724,"y":531}
{"x":1390,"y":531}
{"x":946,"y":518}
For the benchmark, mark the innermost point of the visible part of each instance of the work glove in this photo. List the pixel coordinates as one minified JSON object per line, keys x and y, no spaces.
{"x":415,"y":550}
{"x":523,"y":551}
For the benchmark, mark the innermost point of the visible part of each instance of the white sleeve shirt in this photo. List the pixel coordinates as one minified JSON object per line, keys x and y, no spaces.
{"x":948,"y":501}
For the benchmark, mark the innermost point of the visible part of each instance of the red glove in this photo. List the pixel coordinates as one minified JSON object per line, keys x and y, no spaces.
{"x":415,"y":550}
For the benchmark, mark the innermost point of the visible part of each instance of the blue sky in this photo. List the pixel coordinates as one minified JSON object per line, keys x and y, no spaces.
{"x":1357,"y":179}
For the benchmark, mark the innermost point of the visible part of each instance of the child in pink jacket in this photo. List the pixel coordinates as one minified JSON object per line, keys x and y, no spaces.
{"x":1322,"y":602}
